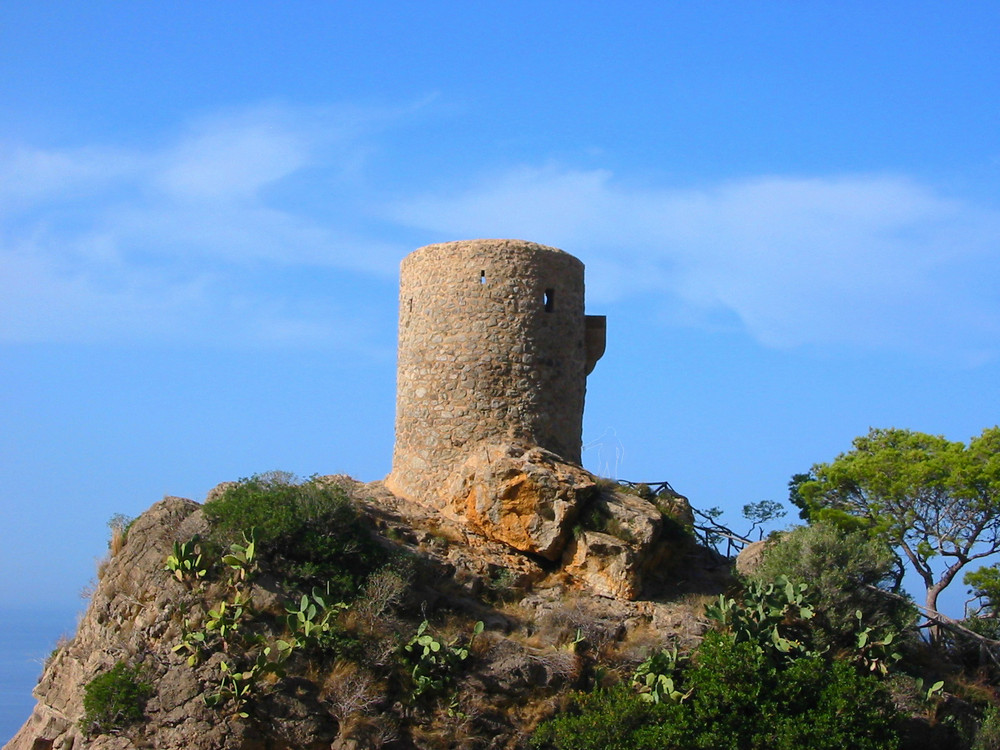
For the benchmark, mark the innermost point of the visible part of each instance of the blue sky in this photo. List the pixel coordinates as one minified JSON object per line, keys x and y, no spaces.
{"x":790,"y":214}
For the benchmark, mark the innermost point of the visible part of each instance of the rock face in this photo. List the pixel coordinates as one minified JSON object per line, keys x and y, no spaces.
{"x":128,"y":606}
{"x":533,"y":501}
{"x":614,"y":559}
{"x":528,"y":530}
{"x":527,"y":498}
{"x":133,"y":616}
{"x":750,"y":557}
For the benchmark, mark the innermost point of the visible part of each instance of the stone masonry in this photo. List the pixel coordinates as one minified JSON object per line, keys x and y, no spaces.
{"x":494,"y":348}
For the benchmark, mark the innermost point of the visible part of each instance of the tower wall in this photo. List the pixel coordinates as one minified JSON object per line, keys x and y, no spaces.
{"x":493,"y":345}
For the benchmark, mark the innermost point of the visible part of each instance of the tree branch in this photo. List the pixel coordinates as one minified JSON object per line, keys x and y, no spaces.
{"x":944,"y":621}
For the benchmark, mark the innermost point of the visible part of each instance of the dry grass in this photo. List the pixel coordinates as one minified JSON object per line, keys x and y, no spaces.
{"x":454,"y":628}
{"x":102,"y":566}
{"x":384,"y":591}
{"x":562,"y":666}
{"x":371,"y":732}
{"x":380,"y":652}
{"x":117,"y":539}
{"x":640,"y":644}
{"x":450,"y":731}
{"x":349,"y":691}
{"x":449,"y":533}
{"x":697,"y":602}
{"x":119,"y":524}
{"x":90,"y":588}
{"x":976,"y":689}
{"x":578,"y":620}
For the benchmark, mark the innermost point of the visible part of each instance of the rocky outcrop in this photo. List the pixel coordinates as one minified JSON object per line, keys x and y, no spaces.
{"x":605,"y":563}
{"x":130,"y":608}
{"x":750,"y":557}
{"x":626,"y":543}
{"x":535,"y":615}
{"x":536,"y":503}
{"x":527,"y":498}
{"x":134,"y":616}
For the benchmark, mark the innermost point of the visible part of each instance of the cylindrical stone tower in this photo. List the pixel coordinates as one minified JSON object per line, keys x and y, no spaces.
{"x":494,"y":346}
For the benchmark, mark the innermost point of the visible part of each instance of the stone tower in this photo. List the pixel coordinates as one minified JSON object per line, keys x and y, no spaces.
{"x":494,"y":347}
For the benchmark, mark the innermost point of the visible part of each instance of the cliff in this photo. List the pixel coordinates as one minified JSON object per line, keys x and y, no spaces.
{"x":231,"y":650}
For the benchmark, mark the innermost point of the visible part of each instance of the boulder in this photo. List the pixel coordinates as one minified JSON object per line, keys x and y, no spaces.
{"x":525,"y":497}
{"x":605,"y":564}
{"x":677,"y":508}
{"x":630,"y":518}
{"x":624,"y":543}
{"x":750,"y":557}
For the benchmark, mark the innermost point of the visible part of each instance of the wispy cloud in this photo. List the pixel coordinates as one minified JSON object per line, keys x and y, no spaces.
{"x":236,"y":227}
{"x":105,"y":243}
{"x":861,"y":260}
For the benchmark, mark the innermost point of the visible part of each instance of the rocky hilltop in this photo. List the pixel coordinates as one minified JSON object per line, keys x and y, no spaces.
{"x":462,"y":628}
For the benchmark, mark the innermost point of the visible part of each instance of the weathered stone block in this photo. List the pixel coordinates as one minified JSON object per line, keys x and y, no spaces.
{"x":527,"y":498}
{"x":606,"y":564}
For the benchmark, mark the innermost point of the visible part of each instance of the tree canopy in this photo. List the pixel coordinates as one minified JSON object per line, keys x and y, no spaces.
{"x":930,"y":498}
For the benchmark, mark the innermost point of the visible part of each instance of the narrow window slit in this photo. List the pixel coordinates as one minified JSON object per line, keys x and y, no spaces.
{"x":482,"y":277}
{"x":550,"y":295}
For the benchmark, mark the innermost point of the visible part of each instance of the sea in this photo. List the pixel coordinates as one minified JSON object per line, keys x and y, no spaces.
{"x":27,"y":637}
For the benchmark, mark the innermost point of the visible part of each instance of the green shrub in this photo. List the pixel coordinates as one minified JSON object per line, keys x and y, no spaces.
{"x":603,"y":720}
{"x":739,"y":700}
{"x":988,"y":734}
{"x":114,"y":699}
{"x":776,"y":618}
{"x":839,"y":567}
{"x":310,"y":532}
{"x":433,"y":663}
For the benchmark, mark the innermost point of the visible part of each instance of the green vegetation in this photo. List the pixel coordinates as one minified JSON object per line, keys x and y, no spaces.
{"x":242,"y":558}
{"x":313,"y":623}
{"x":928,"y":497}
{"x":760,"y":679}
{"x":811,"y":650}
{"x":433,"y":662}
{"x":817,"y":649}
{"x":735,"y":698}
{"x":114,"y":700}
{"x":984,"y":585}
{"x":988,"y":734}
{"x":192,"y":642}
{"x":185,"y":561}
{"x":308,"y":532}
{"x":333,"y":576}
{"x":654,"y":678}
{"x":616,"y":718}
{"x":847,"y":572}
{"x":773,"y":616}
{"x":237,"y":687}
{"x":227,"y":617}
{"x":761,"y":513}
